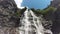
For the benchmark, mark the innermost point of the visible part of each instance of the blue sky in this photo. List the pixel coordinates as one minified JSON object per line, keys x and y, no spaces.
{"x":37,"y":4}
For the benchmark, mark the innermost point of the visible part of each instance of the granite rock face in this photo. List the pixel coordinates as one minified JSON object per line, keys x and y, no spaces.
{"x":55,"y":3}
{"x":7,"y":11}
{"x":56,"y":21}
{"x":9,"y":22}
{"x":55,"y":17}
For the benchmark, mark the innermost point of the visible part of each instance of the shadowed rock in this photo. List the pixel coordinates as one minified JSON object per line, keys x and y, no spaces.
{"x":8,"y":20}
{"x":7,"y":10}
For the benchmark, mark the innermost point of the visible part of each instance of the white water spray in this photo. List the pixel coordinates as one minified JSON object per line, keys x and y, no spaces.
{"x":31,"y":24}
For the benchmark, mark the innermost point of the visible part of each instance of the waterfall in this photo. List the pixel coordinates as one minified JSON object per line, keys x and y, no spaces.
{"x":31,"y":24}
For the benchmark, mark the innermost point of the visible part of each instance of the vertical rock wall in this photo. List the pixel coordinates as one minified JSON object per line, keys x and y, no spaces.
{"x":8,"y":21}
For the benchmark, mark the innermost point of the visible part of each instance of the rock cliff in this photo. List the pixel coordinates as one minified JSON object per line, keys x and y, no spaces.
{"x":55,"y":17}
{"x":8,"y":20}
{"x":7,"y":10}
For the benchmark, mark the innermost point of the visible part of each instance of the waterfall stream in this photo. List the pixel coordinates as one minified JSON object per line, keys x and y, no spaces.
{"x":31,"y":24}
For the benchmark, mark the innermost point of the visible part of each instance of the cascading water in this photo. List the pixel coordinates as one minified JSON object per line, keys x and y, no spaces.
{"x":31,"y":24}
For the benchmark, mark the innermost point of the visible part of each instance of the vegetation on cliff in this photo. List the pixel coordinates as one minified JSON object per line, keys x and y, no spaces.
{"x":44,"y":11}
{"x":38,"y":11}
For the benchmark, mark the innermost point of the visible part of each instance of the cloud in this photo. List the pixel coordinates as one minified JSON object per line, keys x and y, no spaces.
{"x":18,"y":2}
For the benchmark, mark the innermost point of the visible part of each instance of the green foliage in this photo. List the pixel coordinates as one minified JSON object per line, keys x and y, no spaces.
{"x":20,"y":12}
{"x":44,"y":11}
{"x":38,"y":11}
